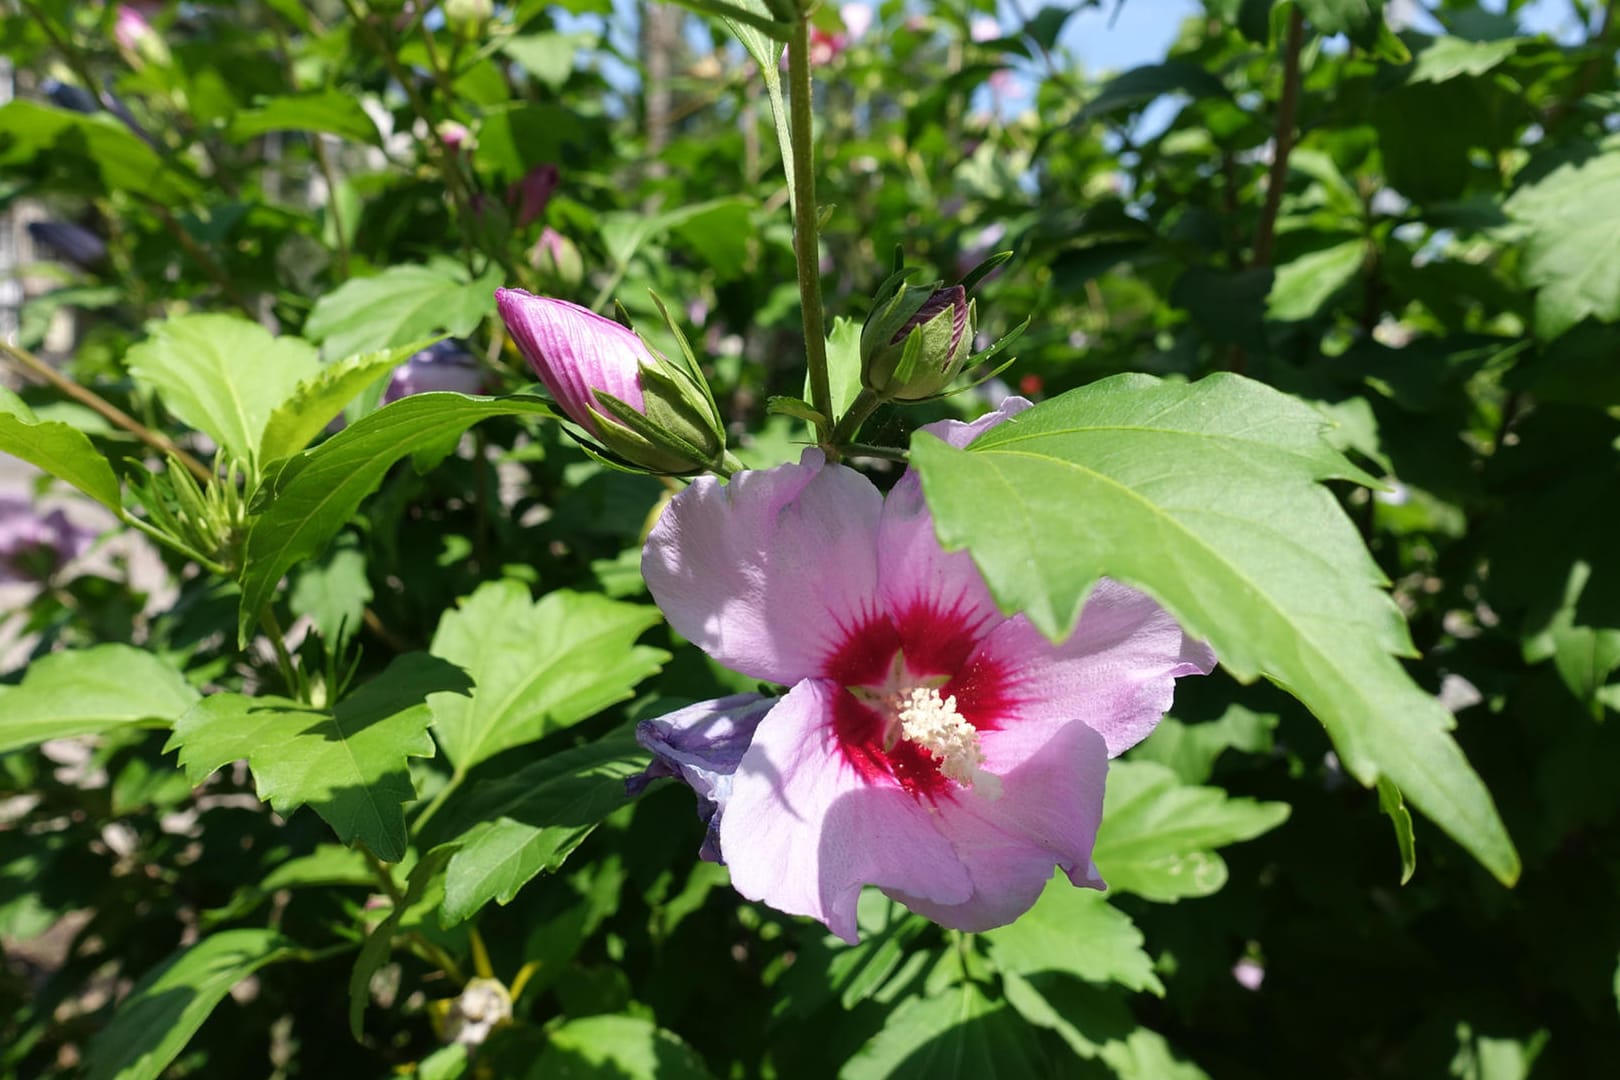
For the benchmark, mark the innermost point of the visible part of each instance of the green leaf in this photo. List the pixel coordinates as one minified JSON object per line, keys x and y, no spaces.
{"x":63,"y":451}
{"x":1448,"y":57}
{"x":89,"y":691}
{"x":720,"y":232}
{"x":1158,"y":834}
{"x":222,"y":375}
{"x":331,"y":111}
{"x":169,"y":1004}
{"x":843,"y":364}
{"x":958,"y":1033}
{"x":1205,"y":495}
{"x":1302,"y":286}
{"x":533,"y":820}
{"x":333,"y":593}
{"x":316,"y":493}
{"x":539,"y":666}
{"x":1097,"y":1026}
{"x":1192,"y":749}
{"x":1079,"y":932}
{"x":319,"y":399}
{"x":1394,"y":807}
{"x":1359,"y":19}
{"x":348,"y":765}
{"x":616,"y":1047}
{"x":1572,"y":252}
{"x":400,"y":305}
{"x":1139,"y":86}
{"x":90,"y":145}
{"x":548,"y":56}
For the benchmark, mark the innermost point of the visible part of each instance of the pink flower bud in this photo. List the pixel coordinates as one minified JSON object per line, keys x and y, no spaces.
{"x":532,"y":193}
{"x":644,"y":408}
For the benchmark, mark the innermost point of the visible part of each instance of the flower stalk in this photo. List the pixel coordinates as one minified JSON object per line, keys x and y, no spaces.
{"x":806,"y":233}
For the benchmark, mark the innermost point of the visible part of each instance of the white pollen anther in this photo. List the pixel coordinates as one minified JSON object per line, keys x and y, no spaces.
{"x":932,"y":722}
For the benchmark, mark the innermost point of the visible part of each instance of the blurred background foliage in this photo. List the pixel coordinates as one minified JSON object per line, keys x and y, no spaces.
{"x":1405,"y":213}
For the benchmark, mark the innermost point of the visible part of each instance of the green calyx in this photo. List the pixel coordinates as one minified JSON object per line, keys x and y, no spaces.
{"x":916,"y":340}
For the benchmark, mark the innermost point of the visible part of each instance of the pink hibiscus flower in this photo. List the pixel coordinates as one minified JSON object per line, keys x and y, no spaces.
{"x":929,"y":745}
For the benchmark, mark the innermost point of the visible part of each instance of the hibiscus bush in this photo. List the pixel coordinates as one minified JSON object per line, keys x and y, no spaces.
{"x":760,"y":538}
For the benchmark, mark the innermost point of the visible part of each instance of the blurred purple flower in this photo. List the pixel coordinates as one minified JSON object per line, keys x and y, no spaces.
{"x":445,"y":365}
{"x":531,"y":194}
{"x":33,"y":546}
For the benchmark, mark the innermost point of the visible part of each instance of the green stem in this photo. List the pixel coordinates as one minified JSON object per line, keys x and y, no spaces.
{"x":30,"y":364}
{"x":439,"y":800}
{"x":806,"y":239}
{"x":384,"y":877}
{"x":886,"y":453}
{"x":849,"y":425}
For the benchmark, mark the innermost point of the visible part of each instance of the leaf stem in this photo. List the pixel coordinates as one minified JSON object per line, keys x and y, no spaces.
{"x":849,"y":425}
{"x":806,"y":239}
{"x":439,"y":799}
{"x":278,"y":641}
{"x":29,"y":364}
{"x":384,"y":876}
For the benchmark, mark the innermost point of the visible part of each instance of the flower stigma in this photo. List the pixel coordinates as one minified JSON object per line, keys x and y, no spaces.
{"x":931,"y":722}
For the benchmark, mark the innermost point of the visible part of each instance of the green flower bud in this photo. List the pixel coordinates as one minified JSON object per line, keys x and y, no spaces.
{"x":916,"y":341}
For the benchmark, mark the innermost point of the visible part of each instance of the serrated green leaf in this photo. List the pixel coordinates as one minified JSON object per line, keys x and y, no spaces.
{"x":959,"y":1033}
{"x":89,"y":691}
{"x":540,"y":666}
{"x":1448,"y":57}
{"x":1158,"y":835}
{"x":400,"y":305}
{"x":1206,"y":496}
{"x":1572,"y":252}
{"x":1302,"y":286}
{"x":222,"y":375}
{"x":1079,"y":932}
{"x":330,"y":111}
{"x":547,"y":56}
{"x":318,"y":400}
{"x":348,"y":765}
{"x":157,"y":1019}
{"x":531,"y":821}
{"x":616,"y":1047}
{"x":59,"y":449}
{"x":316,"y":493}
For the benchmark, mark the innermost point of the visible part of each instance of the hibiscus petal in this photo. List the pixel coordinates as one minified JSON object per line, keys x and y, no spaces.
{"x":803,"y":831}
{"x":702,"y":744}
{"x":1047,"y":815}
{"x":959,"y":434}
{"x":766,"y":573}
{"x":1116,"y":672}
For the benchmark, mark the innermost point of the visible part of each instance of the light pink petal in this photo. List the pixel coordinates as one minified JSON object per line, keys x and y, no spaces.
{"x":1050,"y":806}
{"x":960,"y":434}
{"x":765,"y":573}
{"x":803,"y":832}
{"x":1116,"y":672}
{"x":913,"y":570}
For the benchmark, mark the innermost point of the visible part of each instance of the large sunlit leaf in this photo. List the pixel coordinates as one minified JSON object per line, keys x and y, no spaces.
{"x":960,"y":1033}
{"x":315,"y":494}
{"x":1207,"y":496}
{"x":531,"y":821}
{"x":539,"y":666}
{"x":1572,"y":250}
{"x":88,"y":691}
{"x":348,"y":765}
{"x":400,"y":305}
{"x":1158,"y":835}
{"x":222,"y":374}
{"x":1076,"y":931}
{"x":157,"y":1019}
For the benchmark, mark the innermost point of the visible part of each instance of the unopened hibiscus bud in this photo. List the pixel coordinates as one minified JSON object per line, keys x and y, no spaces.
{"x":467,"y":16}
{"x":645,"y":409}
{"x":557,"y":259}
{"x":140,"y":43}
{"x":531,"y":194}
{"x":915,"y":341}
{"x":455,"y":135}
